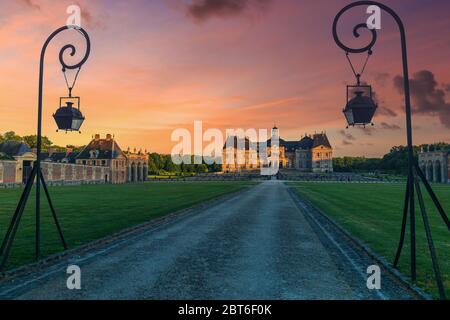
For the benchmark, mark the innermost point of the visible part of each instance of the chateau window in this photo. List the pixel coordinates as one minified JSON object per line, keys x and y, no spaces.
{"x":103,"y":162}
{"x":84,"y":162}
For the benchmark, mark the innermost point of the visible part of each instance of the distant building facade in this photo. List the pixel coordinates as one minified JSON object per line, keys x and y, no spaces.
{"x":435,"y":164}
{"x":105,"y":153}
{"x":137,"y":165}
{"x":312,"y":153}
{"x":17,"y":161}
{"x":101,"y":161}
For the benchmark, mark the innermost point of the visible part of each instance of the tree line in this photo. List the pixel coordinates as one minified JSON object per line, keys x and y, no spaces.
{"x":395,"y":162}
{"x":31,"y":141}
{"x":160,"y":164}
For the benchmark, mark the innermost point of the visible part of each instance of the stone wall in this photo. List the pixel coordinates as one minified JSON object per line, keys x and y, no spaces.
{"x":65,"y":173}
{"x":8,"y":172}
{"x":55,"y":174}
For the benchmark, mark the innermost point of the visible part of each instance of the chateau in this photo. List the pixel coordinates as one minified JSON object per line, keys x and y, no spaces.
{"x":101,"y":161}
{"x":312,"y":153}
{"x":435,"y":164}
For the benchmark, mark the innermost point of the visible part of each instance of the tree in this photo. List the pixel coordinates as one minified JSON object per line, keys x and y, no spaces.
{"x":201,"y":168}
{"x":169,"y":166}
{"x":152,"y":169}
{"x":32,"y":141}
{"x":11,"y":136}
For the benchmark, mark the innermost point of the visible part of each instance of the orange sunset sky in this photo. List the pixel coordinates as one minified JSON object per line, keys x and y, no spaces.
{"x":160,"y":65}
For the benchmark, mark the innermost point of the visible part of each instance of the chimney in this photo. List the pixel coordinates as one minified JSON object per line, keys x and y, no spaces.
{"x":97,"y":137}
{"x":69,"y":151}
{"x":51,"y":151}
{"x":108,"y":137}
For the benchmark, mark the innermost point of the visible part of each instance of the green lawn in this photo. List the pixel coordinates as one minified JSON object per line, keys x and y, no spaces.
{"x":373,"y":213}
{"x":90,"y":212}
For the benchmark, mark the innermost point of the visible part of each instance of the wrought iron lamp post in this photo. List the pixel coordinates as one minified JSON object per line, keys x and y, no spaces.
{"x":415,"y":174}
{"x":67,"y":118}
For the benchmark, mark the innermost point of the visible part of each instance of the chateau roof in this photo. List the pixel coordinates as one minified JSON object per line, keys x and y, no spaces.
{"x":101,"y":149}
{"x":321,"y":139}
{"x":4,"y":156}
{"x":306,"y":143}
{"x":236,"y":142}
{"x":14,"y":148}
{"x":61,"y":156}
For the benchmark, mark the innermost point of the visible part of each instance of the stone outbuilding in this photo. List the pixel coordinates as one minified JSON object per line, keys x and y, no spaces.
{"x":137,"y":165}
{"x":101,"y":161}
{"x":435,"y":163}
{"x":18,"y":159}
{"x":123,"y":166}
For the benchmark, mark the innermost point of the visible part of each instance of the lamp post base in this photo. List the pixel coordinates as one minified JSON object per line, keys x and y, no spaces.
{"x":413,"y":186}
{"x":5,"y":248}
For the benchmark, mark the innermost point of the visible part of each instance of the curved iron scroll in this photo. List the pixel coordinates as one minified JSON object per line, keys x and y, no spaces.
{"x":414,"y":172}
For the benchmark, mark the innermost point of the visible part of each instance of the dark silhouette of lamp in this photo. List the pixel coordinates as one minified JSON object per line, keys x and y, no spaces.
{"x":68,"y":117}
{"x":361,"y":108}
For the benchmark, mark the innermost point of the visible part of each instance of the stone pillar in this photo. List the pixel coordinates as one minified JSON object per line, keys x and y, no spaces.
{"x":442,"y":173}
{"x":434,"y":172}
{"x":49,"y":176}
{"x":63,"y":173}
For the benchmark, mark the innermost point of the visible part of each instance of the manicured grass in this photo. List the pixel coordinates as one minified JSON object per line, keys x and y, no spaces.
{"x":373,"y":213}
{"x":90,"y":212}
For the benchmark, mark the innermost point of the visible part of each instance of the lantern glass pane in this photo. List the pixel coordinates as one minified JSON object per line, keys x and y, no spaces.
{"x":349,"y":116}
{"x":76,"y":124}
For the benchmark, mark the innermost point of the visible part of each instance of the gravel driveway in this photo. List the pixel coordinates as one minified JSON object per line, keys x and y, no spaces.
{"x":258,"y":244}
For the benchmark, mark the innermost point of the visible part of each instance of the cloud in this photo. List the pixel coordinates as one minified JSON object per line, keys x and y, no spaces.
{"x":382,"y":109}
{"x":87,"y":18}
{"x":447,"y":87}
{"x":347,"y":136}
{"x":86,"y":15}
{"x":385,"y":111}
{"x":382,"y":78}
{"x":427,"y":97}
{"x":388,"y":126}
{"x":202,"y":10}
{"x":368,"y":131}
{"x":31,"y":4}
{"x":347,"y":143}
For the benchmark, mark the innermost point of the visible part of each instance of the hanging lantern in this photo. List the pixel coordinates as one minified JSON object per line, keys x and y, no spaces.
{"x":361,"y":108}
{"x":68,"y":117}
